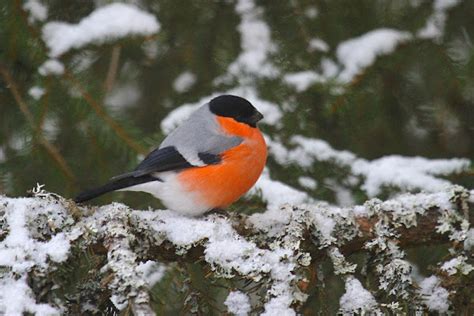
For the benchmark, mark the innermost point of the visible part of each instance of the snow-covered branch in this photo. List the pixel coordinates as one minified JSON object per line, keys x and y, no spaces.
{"x":276,"y":249}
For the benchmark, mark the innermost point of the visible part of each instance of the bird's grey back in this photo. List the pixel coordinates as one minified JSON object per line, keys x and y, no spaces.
{"x":200,"y":133}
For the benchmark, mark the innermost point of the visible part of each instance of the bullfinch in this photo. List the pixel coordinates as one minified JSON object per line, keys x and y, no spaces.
{"x":208,"y":162}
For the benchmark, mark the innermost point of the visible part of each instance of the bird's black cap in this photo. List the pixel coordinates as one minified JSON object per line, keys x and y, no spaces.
{"x":235,"y":107}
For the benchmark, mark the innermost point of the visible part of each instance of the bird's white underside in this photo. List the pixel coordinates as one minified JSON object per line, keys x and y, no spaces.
{"x":172,"y":194}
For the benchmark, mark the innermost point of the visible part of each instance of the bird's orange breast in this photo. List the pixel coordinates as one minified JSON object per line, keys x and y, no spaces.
{"x":222,"y":184}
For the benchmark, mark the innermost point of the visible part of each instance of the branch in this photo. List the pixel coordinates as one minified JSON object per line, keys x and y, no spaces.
{"x":274,"y":248}
{"x":99,"y":110}
{"x":50,"y":148}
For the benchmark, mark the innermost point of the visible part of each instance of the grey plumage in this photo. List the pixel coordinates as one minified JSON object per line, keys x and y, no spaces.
{"x":201,"y":133}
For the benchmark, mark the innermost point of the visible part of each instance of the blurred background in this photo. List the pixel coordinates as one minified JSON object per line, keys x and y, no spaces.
{"x":102,"y":114}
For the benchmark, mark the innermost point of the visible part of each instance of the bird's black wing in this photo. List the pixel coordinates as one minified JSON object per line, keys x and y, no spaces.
{"x":159,"y":160}
{"x":166,"y":159}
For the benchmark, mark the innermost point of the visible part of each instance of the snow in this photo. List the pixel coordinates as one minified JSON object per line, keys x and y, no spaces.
{"x":358,"y":53}
{"x":105,"y":24}
{"x":445,"y":4}
{"x":307,"y":182}
{"x":226,"y":251}
{"x":23,"y":250}
{"x":36,"y":92}
{"x":405,"y":173}
{"x":255,"y":41}
{"x":408,"y":173}
{"x":308,"y":150}
{"x":433,"y":295}
{"x":469,"y":241}
{"x":276,"y":193}
{"x":152,"y":272}
{"x":435,"y":24}
{"x":51,"y":67}
{"x":317,"y":44}
{"x":18,"y":250}
{"x":184,"y":82}
{"x":238,"y":303}
{"x":37,"y":11}
{"x":457,"y":264}
{"x":128,"y":235}
{"x":356,"y":299}
{"x":342,"y":194}
{"x":16,"y":298}
{"x":302,"y":80}
{"x":124,"y":95}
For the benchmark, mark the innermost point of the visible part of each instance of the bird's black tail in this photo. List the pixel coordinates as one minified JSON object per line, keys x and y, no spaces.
{"x":113,"y":186}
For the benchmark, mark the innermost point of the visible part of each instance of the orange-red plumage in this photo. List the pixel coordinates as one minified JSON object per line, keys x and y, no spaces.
{"x":222,"y":184}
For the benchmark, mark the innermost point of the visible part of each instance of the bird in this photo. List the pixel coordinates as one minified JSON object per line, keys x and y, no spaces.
{"x":207,"y":163}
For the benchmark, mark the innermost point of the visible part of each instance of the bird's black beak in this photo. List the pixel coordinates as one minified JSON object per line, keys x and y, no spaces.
{"x":256,"y":117}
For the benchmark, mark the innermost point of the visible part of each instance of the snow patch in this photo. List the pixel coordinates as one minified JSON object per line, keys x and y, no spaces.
{"x":356,"y":299}
{"x":433,"y":295}
{"x":108,"y":23}
{"x":238,"y":303}
{"x":358,"y":53}
{"x":307,"y":182}
{"x":37,"y":11}
{"x":435,"y":24}
{"x":302,"y":80}
{"x":51,"y":67}
{"x":255,"y":42}
{"x":317,"y":44}
{"x":184,"y":82}
{"x":36,"y":92}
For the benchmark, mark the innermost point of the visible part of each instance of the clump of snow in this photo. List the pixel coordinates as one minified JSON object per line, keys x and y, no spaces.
{"x":18,"y":250}
{"x":152,"y":272}
{"x":433,"y":295}
{"x":16,"y":298}
{"x":150,"y":48}
{"x":24,"y":249}
{"x":356,"y":299}
{"x":238,"y":303}
{"x":302,"y":80}
{"x":434,"y":27}
{"x":307,"y":151}
{"x":36,"y":92}
{"x":405,"y":173}
{"x":457,"y":264}
{"x":469,"y":241}
{"x":37,"y":10}
{"x":276,"y":193}
{"x":343,"y":195}
{"x":317,"y":44}
{"x":51,"y":67}
{"x":184,"y":82}
{"x":307,"y":182}
{"x":410,"y":173}
{"x":358,"y":53}
{"x":123,"y":95}
{"x":108,"y":23}
{"x":255,"y":42}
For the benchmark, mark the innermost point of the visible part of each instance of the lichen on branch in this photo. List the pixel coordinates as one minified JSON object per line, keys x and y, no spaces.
{"x":276,"y":250}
